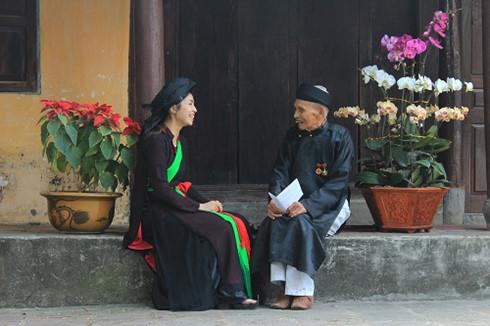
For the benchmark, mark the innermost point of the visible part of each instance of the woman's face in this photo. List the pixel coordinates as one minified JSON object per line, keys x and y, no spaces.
{"x":186,"y":111}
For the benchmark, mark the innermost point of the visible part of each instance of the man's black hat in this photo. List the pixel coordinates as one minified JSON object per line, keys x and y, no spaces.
{"x":316,"y":94}
{"x":172,"y":93}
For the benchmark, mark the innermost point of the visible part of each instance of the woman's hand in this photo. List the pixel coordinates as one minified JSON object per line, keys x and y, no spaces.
{"x":272,"y":211}
{"x":212,"y":205}
{"x":296,"y":209}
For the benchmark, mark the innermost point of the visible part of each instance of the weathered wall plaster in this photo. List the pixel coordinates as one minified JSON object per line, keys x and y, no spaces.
{"x":84,"y":48}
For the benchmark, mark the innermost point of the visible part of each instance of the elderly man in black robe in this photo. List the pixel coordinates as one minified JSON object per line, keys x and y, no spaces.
{"x":320,"y":155}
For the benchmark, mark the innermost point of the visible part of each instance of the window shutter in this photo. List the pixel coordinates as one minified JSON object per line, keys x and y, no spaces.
{"x":18,"y":45}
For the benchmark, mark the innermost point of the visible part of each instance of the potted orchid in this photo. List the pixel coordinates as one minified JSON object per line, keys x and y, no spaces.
{"x":402,"y":140}
{"x":87,"y":141}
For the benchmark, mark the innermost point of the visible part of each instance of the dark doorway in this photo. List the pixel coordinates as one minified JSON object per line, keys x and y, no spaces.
{"x":248,"y":58}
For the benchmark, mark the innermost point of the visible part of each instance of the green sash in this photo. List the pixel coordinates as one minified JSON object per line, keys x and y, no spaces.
{"x":172,"y":171}
{"x":174,"y":167}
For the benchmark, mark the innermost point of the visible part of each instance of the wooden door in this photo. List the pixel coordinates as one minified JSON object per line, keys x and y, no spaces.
{"x":201,"y":43}
{"x":474,"y":162}
{"x":248,"y":58}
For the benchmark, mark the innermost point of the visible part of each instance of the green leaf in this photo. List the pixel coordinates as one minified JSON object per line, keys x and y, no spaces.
{"x":51,"y":152}
{"x":42,"y":120}
{"x":83,"y":145}
{"x":44,"y":133}
{"x":416,"y":176}
{"x":394,"y":178}
{"x":60,"y":164}
{"x":107,"y":149}
{"x":440,"y":145}
{"x":107,"y":179}
{"x":122,"y":174}
{"x":87,"y":171}
{"x":92,"y":151}
{"x":53,"y":126}
{"x":85,"y":131}
{"x":101,"y":165}
{"x":73,"y":156}
{"x":94,"y":138}
{"x":104,"y":131}
{"x":131,"y":140}
{"x":401,"y":157}
{"x":439,"y":168}
{"x":63,"y":119}
{"x":369,"y":178}
{"x":72,"y":132}
{"x":432,"y":131}
{"x":424,"y":163}
{"x":116,"y":138}
{"x":375,"y":144}
{"x":62,"y":142}
{"x":127,"y":156}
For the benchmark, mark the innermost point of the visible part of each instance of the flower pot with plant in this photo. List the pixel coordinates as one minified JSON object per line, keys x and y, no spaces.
{"x":86,"y":140}
{"x":402,"y":179}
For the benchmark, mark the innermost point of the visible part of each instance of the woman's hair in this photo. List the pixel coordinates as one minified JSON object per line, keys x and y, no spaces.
{"x":161,"y":126}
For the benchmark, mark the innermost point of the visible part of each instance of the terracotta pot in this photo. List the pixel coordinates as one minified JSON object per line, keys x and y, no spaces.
{"x":403,"y":209}
{"x":81,"y":211}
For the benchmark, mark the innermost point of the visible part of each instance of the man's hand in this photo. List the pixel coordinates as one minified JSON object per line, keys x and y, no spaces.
{"x":212,"y":205}
{"x":296,"y":209}
{"x":272,"y":211}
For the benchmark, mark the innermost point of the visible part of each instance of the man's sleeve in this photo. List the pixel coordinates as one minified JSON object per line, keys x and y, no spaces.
{"x":280,"y":173}
{"x":327,"y":197}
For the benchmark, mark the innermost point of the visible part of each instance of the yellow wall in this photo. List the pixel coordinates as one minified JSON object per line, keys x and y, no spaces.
{"x":83,"y":57}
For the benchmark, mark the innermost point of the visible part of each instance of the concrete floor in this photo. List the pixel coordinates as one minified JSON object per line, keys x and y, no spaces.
{"x":450,"y":312}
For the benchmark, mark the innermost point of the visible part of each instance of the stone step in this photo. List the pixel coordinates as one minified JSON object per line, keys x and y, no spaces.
{"x":255,"y":212}
{"x":40,"y":267}
{"x":251,"y":201}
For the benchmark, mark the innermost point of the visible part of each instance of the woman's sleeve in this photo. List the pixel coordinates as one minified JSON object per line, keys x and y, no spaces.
{"x":157,"y":154}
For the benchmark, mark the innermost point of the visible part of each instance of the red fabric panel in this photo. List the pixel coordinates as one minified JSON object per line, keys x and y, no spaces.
{"x":150,"y":260}
{"x":242,"y":232}
{"x":184,"y":187}
{"x":139,"y":243}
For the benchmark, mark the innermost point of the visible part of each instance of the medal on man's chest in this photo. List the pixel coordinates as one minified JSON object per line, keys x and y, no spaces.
{"x":321,"y":169}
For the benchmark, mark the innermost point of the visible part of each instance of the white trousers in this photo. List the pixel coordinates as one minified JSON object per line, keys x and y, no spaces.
{"x":296,"y":283}
{"x":344,"y":214}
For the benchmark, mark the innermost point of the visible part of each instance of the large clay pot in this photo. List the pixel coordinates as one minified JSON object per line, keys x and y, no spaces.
{"x":80,"y":211}
{"x":403,"y":209}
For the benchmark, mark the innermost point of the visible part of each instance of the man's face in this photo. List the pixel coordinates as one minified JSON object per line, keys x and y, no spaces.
{"x":309,"y":115}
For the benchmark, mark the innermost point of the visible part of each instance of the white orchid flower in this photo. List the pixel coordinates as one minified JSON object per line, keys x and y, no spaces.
{"x":469,"y":86}
{"x":406,"y":83}
{"x":454,"y":84}
{"x":423,"y":83}
{"x":369,"y":72}
{"x":440,"y":86}
{"x":384,"y":79}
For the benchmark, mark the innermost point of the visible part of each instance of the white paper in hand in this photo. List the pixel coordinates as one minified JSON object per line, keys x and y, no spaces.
{"x":289,"y":195}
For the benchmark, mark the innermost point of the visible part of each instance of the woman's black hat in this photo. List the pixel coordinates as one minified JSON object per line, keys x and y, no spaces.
{"x":172,"y":93}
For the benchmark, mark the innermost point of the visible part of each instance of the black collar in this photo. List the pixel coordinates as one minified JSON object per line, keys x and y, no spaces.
{"x":311,"y":133}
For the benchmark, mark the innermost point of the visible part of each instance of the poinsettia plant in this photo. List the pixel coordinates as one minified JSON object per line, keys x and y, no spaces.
{"x":402,"y":135}
{"x":87,"y":139}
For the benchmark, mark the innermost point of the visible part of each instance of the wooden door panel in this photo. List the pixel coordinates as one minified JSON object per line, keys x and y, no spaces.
{"x":264,"y":85}
{"x":206,"y":51}
{"x":480,"y":174}
{"x":328,"y":52}
{"x":473,"y":130}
